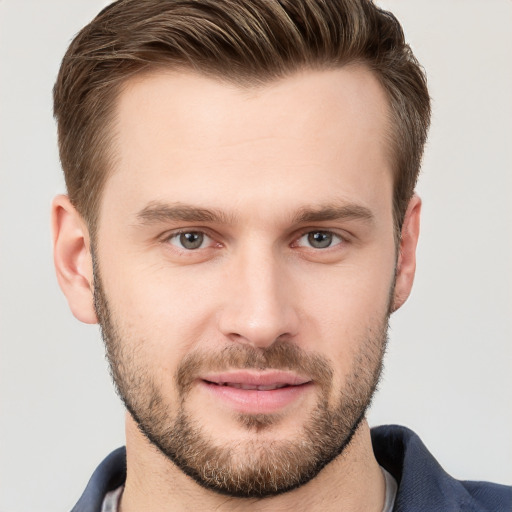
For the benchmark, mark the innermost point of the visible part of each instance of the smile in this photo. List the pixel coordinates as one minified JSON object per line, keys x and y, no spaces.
{"x":252,"y":392}
{"x":250,"y":386}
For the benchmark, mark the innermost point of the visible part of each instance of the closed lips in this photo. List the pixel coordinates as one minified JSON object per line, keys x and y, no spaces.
{"x":240,"y":385}
{"x":261,"y":381}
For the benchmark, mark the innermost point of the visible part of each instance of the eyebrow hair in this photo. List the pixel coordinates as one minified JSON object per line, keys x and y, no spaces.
{"x":156,"y":212}
{"x":334,"y":212}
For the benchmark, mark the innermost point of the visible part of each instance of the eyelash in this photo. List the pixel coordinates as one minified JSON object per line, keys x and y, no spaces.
{"x":333,"y":234}
{"x":342,"y":239}
{"x":176,"y":234}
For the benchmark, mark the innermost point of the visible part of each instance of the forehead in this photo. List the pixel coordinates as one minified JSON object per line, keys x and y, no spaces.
{"x":189,"y":138}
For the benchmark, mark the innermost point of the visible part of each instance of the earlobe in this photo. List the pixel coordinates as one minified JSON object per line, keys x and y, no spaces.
{"x":406,"y":264}
{"x":72,"y":259}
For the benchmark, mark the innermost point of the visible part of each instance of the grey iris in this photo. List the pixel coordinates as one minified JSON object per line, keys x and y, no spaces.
{"x":320,"y":239}
{"x":191,"y":240}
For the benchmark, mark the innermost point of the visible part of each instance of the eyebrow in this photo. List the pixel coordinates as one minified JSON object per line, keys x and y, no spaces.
{"x":157,"y":212}
{"x":334,"y":212}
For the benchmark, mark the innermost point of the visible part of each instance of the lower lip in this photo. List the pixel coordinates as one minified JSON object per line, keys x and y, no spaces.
{"x":253,"y":401}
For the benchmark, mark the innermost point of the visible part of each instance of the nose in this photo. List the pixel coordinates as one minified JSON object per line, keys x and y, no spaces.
{"x":258,"y":300}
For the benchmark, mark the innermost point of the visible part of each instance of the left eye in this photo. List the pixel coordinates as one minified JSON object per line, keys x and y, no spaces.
{"x":190,"y":240}
{"x":319,"y":239}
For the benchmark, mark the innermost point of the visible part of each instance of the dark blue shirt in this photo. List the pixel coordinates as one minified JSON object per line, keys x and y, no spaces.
{"x":423,"y":485}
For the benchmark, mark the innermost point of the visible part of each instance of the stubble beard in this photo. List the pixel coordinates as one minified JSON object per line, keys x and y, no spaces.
{"x":256,"y":468}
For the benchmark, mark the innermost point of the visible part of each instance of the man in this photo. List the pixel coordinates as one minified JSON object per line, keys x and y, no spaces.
{"x":241,"y":221}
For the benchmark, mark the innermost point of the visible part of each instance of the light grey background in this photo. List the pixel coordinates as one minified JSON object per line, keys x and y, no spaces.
{"x":448,"y":371}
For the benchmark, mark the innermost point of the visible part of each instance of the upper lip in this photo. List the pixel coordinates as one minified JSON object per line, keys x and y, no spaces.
{"x":256,"y":379}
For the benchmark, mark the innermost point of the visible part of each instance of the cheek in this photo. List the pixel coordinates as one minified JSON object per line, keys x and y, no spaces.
{"x":345,"y":314}
{"x":347,"y":297}
{"x":167,"y":312}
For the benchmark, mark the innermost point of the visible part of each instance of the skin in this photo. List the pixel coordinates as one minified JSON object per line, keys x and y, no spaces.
{"x":260,"y":157}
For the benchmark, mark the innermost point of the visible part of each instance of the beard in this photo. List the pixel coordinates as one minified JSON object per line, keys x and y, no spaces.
{"x":259,"y":467}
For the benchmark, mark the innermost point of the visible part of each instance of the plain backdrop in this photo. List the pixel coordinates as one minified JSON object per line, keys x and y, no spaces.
{"x":449,"y":367}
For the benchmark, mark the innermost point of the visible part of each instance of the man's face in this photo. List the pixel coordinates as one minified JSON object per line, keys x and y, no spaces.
{"x":245,"y":261}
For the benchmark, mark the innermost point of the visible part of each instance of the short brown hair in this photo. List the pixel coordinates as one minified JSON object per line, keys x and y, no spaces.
{"x":242,"y":41}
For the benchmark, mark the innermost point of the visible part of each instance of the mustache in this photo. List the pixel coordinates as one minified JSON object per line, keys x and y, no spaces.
{"x":281,"y":355}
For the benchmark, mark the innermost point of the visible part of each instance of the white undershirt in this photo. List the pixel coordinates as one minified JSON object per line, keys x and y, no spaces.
{"x":111,"y":500}
{"x":391,"y":488}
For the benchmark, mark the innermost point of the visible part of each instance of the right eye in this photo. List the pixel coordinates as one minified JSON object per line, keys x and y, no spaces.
{"x":190,"y":240}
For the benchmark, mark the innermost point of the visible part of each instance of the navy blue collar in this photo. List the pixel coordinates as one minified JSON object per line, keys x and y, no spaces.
{"x":423,"y":486}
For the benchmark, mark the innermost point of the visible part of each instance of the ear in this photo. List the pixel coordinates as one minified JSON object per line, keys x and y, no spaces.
{"x":406,"y":265}
{"x":72,"y":259}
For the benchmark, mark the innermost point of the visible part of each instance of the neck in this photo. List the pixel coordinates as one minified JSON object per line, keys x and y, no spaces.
{"x":351,"y":482}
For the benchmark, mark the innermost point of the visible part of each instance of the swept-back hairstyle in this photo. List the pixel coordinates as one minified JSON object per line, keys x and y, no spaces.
{"x":247,"y":42}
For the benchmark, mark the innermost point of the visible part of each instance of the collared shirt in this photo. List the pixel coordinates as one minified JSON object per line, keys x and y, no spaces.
{"x":423,"y":486}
